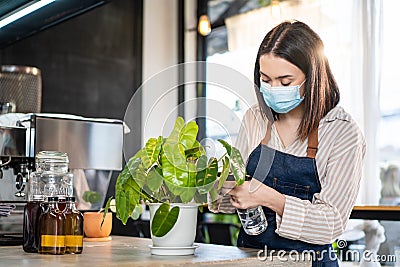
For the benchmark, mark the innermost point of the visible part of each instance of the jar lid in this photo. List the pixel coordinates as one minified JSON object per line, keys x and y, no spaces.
{"x":38,"y":197}
{"x":52,"y":156}
{"x":52,"y":199}
{"x":72,"y":199}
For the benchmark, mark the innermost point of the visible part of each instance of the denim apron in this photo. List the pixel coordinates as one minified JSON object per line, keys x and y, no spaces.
{"x":293,"y":176}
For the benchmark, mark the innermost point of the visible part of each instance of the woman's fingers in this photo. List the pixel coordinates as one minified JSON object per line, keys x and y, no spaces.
{"x":235,"y":203}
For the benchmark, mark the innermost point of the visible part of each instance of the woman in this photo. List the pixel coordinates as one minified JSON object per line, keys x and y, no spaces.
{"x":309,"y":188}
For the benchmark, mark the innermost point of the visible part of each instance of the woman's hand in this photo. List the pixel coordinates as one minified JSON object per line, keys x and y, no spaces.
{"x":248,"y":195}
{"x":254,"y":193}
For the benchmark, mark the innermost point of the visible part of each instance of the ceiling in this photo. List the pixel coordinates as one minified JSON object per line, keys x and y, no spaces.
{"x":218,"y":11}
{"x":7,"y":6}
{"x":42,"y":18}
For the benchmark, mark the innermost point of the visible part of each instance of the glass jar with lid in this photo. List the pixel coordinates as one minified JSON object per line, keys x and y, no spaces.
{"x":51,"y":177}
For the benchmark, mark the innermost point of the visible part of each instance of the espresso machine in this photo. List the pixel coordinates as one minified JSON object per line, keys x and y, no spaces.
{"x":93,"y":145}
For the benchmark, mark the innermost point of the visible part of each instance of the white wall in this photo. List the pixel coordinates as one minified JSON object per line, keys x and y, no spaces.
{"x":190,"y":56}
{"x":160,"y":55}
{"x":160,"y":51}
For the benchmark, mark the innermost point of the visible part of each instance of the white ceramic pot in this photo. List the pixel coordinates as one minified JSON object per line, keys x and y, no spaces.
{"x":184,"y":231}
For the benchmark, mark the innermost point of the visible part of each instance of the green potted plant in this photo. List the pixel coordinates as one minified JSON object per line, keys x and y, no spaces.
{"x":174,"y":177}
{"x":98,"y":224}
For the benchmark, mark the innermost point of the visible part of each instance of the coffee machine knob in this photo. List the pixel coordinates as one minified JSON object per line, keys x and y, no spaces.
{"x":20,"y":194}
{"x":19,"y":182}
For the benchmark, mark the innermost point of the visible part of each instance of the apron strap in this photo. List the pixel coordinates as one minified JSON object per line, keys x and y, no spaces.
{"x":312,"y":146}
{"x":267,"y":135}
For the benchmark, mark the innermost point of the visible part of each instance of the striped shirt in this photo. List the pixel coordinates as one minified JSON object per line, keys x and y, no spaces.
{"x":339,"y":163}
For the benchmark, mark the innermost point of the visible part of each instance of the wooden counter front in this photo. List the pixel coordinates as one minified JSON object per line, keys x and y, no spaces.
{"x":132,"y":251}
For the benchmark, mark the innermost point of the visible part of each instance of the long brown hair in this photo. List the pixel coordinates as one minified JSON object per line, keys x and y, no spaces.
{"x":297,"y":43}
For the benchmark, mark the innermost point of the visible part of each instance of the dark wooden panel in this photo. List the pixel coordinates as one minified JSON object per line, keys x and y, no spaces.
{"x":91,"y":64}
{"x":42,"y":18}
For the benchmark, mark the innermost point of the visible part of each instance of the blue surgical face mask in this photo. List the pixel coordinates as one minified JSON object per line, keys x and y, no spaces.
{"x":281,"y":99}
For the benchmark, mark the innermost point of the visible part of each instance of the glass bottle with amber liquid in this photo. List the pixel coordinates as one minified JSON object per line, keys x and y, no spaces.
{"x":32,"y":211}
{"x":61,"y":203}
{"x":52,"y":229}
{"x":73,"y":227}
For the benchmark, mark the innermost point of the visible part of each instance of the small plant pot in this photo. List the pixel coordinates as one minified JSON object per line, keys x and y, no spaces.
{"x":92,"y":223}
{"x":184,"y":231}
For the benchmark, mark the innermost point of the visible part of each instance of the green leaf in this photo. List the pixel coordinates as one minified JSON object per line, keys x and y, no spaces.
{"x":200,"y":146}
{"x":122,"y":204}
{"x":188,"y":134}
{"x":237,"y":165}
{"x":127,"y":196}
{"x":143,"y":158}
{"x":224,"y":172}
{"x":86,"y":195}
{"x":189,"y":186}
{"x":176,"y":131}
{"x":187,"y":194}
{"x":164,"y":220}
{"x":153,"y":148}
{"x":129,"y":168}
{"x":213,"y":194}
{"x":105,"y":211}
{"x":154,"y":179}
{"x":137,"y":211}
{"x":174,"y":164}
{"x":206,"y":177}
{"x":226,"y":145}
{"x":139,"y":175}
{"x":191,"y":181}
{"x":201,"y":168}
{"x":195,"y":152}
{"x":173,"y":192}
{"x":134,"y":169}
{"x":200,"y":198}
{"x":134,"y":160}
{"x":91,"y":197}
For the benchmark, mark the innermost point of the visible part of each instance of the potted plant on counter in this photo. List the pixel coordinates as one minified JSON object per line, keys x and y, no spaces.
{"x":174,"y":177}
{"x":98,"y":224}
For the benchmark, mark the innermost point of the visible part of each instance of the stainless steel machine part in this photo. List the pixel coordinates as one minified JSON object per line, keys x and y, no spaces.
{"x":94,"y":146}
{"x":21,"y":89}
